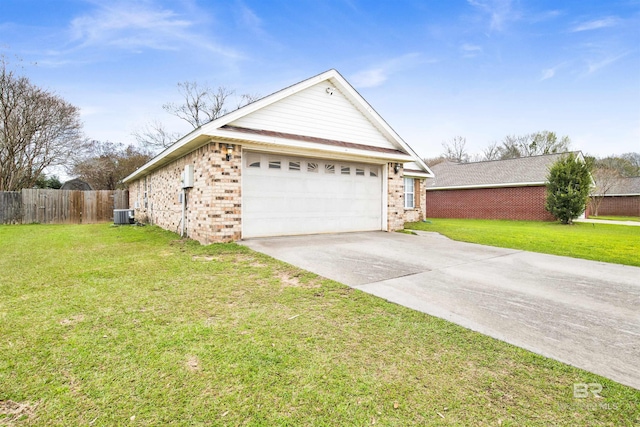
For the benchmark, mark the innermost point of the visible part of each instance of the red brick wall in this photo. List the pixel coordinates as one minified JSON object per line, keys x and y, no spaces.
{"x":521,"y":203}
{"x":618,"y":205}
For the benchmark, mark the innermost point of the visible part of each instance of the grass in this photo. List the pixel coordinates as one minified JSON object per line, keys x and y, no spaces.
{"x":617,"y":218}
{"x":618,"y":244}
{"x":106,"y":325}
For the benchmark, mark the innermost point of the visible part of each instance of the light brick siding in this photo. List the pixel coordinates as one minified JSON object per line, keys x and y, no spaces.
{"x":618,"y":206}
{"x":395,"y":199}
{"x":213,"y":209}
{"x":518,"y":203}
{"x":417,"y":213}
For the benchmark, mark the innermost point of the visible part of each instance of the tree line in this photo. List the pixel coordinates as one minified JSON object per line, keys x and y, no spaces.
{"x":39,"y":130}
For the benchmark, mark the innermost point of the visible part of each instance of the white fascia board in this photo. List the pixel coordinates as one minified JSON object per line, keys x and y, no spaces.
{"x":413,"y":174}
{"x":376,"y":118}
{"x":507,"y":185}
{"x":166,"y":153}
{"x":616,"y":195}
{"x":274,"y":144}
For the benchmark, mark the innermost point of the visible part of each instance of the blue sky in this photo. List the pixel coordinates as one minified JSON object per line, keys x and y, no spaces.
{"x":482,"y":69}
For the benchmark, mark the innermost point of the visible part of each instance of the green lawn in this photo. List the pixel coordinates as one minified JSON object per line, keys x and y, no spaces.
{"x":618,"y":244}
{"x":104,"y":325}
{"x":617,"y":218}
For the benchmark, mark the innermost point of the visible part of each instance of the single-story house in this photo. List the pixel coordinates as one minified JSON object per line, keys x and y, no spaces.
{"x":499,"y":189}
{"x":623,"y":199}
{"x":314,"y":157}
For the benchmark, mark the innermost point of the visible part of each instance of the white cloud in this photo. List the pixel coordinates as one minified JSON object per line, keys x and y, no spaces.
{"x":608,"y":21}
{"x":548,"y":73}
{"x":594,"y":66}
{"x":370,"y":78}
{"x":250,"y":20}
{"x":138,"y":26}
{"x":470,"y":50}
{"x":377,"y":75}
{"x":499,"y":11}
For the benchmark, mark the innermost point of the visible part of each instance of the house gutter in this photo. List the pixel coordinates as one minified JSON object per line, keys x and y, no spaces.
{"x":506,"y":185}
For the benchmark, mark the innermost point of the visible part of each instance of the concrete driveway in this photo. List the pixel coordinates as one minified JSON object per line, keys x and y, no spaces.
{"x":583,"y":313}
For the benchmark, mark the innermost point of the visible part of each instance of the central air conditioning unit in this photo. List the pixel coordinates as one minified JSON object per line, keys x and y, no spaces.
{"x":123,"y":216}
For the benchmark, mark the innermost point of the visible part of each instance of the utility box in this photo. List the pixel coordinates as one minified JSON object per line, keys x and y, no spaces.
{"x":187,"y":176}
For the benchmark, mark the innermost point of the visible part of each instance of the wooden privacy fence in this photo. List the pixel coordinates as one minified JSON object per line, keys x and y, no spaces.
{"x":60,"y":206}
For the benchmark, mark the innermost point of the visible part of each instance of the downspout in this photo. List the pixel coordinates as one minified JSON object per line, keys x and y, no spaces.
{"x":184,"y":207}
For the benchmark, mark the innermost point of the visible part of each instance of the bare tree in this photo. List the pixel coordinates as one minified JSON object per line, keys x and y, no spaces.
{"x":201,"y":104}
{"x":455,"y":150}
{"x":108,"y":163}
{"x":534,"y":144}
{"x":491,"y":152}
{"x":155,"y":136}
{"x":246,"y":99}
{"x":605,"y":180}
{"x":38,"y":129}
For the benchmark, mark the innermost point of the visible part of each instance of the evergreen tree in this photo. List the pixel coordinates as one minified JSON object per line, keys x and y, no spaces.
{"x":568,"y":186}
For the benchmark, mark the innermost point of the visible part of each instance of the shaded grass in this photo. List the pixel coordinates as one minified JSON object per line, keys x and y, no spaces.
{"x":109,"y":325}
{"x":618,"y":244}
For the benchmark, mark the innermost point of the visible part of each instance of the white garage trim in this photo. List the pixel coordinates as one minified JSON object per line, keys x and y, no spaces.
{"x":285,"y":195}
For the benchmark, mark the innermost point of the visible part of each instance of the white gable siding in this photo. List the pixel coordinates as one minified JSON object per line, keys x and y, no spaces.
{"x":313,"y":112}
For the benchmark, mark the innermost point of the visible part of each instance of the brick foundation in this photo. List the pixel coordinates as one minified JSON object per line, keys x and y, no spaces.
{"x":517,"y":203}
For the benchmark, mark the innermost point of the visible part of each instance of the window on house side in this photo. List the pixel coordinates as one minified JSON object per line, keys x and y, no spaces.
{"x":409,"y":194}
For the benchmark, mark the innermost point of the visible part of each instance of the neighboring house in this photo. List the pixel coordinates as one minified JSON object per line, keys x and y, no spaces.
{"x":498,"y":189}
{"x":76,"y":184}
{"x":312,"y":158}
{"x":623,"y":199}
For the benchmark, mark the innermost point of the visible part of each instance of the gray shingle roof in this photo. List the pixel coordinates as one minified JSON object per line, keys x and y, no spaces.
{"x":521,"y":171}
{"x":626,"y":186}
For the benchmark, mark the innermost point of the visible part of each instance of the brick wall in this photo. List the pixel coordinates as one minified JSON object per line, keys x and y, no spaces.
{"x":213,"y":208}
{"x":417,"y":213}
{"x":618,"y":206}
{"x":518,"y":203}
{"x":395,"y":199}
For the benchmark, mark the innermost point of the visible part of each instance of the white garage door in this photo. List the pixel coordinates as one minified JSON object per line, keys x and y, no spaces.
{"x":290,"y":195}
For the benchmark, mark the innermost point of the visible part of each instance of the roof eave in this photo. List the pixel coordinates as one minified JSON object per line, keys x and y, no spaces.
{"x":502,"y":185}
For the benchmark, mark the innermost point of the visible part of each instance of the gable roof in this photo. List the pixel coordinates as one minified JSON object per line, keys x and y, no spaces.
{"x":625,"y":187}
{"x":522,"y":171}
{"x":229,"y":128}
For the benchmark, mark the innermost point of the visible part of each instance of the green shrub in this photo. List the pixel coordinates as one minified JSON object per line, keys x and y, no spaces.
{"x":568,"y":185}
